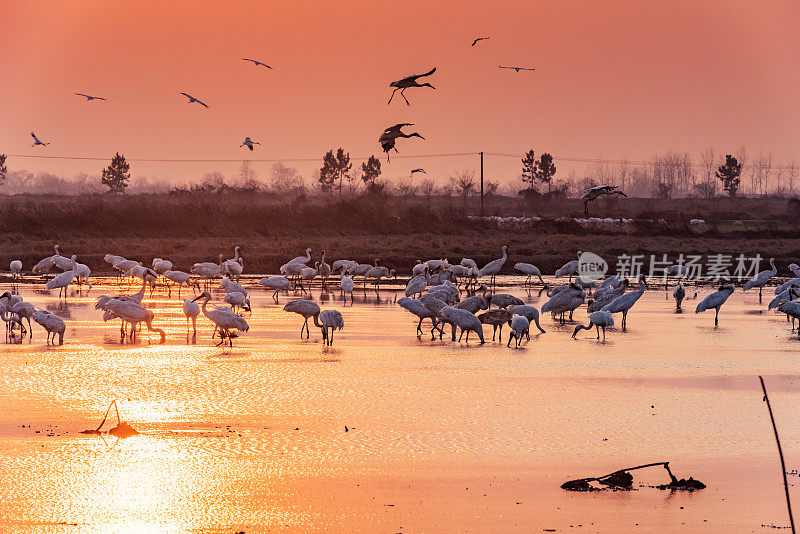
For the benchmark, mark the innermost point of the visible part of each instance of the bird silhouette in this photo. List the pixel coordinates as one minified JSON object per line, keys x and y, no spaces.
{"x":391,"y":134}
{"x":249,"y":143}
{"x":408,"y":82}
{"x":517,"y":68}
{"x":90,"y":97}
{"x":193,"y":99}
{"x":479,"y":39}
{"x":418,"y":170}
{"x":256,"y":62}
{"x":36,"y":140}
{"x":593,"y":193}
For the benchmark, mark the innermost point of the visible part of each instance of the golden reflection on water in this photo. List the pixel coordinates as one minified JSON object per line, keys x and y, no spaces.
{"x":383,"y":430}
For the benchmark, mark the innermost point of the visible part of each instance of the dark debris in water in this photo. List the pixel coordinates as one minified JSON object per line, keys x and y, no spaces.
{"x":623,"y":480}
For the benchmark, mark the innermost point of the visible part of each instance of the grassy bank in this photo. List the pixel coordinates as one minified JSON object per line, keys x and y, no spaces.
{"x":190,"y":228}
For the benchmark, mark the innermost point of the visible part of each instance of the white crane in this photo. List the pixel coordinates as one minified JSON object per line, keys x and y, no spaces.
{"x":249,"y":143}
{"x":416,"y":307}
{"x":193,"y":99}
{"x":191,"y":310}
{"x":161,"y":265}
{"x":624,"y":303}
{"x":530,"y":270}
{"x":307,"y":273}
{"x":408,"y":82}
{"x":599,"y":320}
{"x":207,"y":270}
{"x":15,"y":267}
{"x":785,"y":296}
{"x":224,"y":319}
{"x":132,"y":313}
{"x":237,"y":300}
{"x":390,"y":135}
{"x":180,"y":278}
{"x":792,"y":309}
{"x":256,"y":62}
{"x":497,"y":318}
{"x":36,"y":141}
{"x":89,"y":98}
{"x":593,"y":193}
{"x":53,"y":324}
{"x":519,"y":327}
{"x":504,"y":300}
{"x":716,"y":300}
{"x":492,"y":268}
{"x":342,"y":266}
{"x":605,"y":295}
{"x":563,"y":301}
{"x":761,"y":279}
{"x":305,"y":308}
{"x":234,"y":266}
{"x":416,"y":285}
{"x":229,"y":286}
{"x":347,"y":285}
{"x":529,"y":312}
{"x":62,"y":280}
{"x":324,"y":269}
{"x":466,"y":321}
{"x":277,"y":283}
{"x":301,"y":259}
{"x":376,"y":273}
{"x":679,"y":293}
{"x":329,"y":321}
{"x":570,"y":268}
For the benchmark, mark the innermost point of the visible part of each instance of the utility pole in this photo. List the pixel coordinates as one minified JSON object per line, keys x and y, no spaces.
{"x":481,"y":183}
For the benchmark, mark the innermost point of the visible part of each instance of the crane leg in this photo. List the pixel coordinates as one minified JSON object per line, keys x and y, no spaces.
{"x":404,"y":97}
{"x":391,"y":97}
{"x":716,"y":318}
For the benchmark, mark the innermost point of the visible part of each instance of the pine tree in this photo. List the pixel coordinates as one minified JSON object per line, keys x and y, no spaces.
{"x":371,"y":169}
{"x":116,"y":175}
{"x":729,"y":175}
{"x":334,"y":167}
{"x":529,"y":169}
{"x":545,"y":169}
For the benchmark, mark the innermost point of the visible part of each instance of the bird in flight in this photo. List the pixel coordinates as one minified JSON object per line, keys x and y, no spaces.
{"x":516,"y":68}
{"x":408,"y":82}
{"x":193,"y":99}
{"x":479,"y":39}
{"x":249,"y":143}
{"x":418,"y":170}
{"x":391,"y":134}
{"x":90,"y":97}
{"x":36,"y":140}
{"x":593,"y":193}
{"x":256,"y":62}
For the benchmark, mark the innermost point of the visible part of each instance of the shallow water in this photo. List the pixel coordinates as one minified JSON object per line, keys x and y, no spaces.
{"x":441,"y":436}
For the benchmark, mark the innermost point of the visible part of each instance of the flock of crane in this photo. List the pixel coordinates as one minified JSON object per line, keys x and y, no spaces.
{"x":445,"y":293}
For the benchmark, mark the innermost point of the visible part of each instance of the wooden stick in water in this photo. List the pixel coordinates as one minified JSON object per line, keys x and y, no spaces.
{"x":780,"y":453}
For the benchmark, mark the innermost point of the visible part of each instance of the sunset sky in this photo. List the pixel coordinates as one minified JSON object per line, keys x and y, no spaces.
{"x":613,"y":79}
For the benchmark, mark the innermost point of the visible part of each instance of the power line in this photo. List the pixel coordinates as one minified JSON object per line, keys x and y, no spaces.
{"x":571,"y":159}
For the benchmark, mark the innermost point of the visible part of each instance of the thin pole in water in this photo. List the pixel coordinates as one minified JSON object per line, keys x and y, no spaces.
{"x":481,"y":183}
{"x":780,"y":453}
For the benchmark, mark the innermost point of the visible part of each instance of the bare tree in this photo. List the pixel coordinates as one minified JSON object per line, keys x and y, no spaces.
{"x":464,"y":182}
{"x":428,"y":189}
{"x":791,"y":173}
{"x":285,"y":179}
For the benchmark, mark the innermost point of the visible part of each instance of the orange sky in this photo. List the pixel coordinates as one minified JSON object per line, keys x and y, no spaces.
{"x":613,"y":79}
